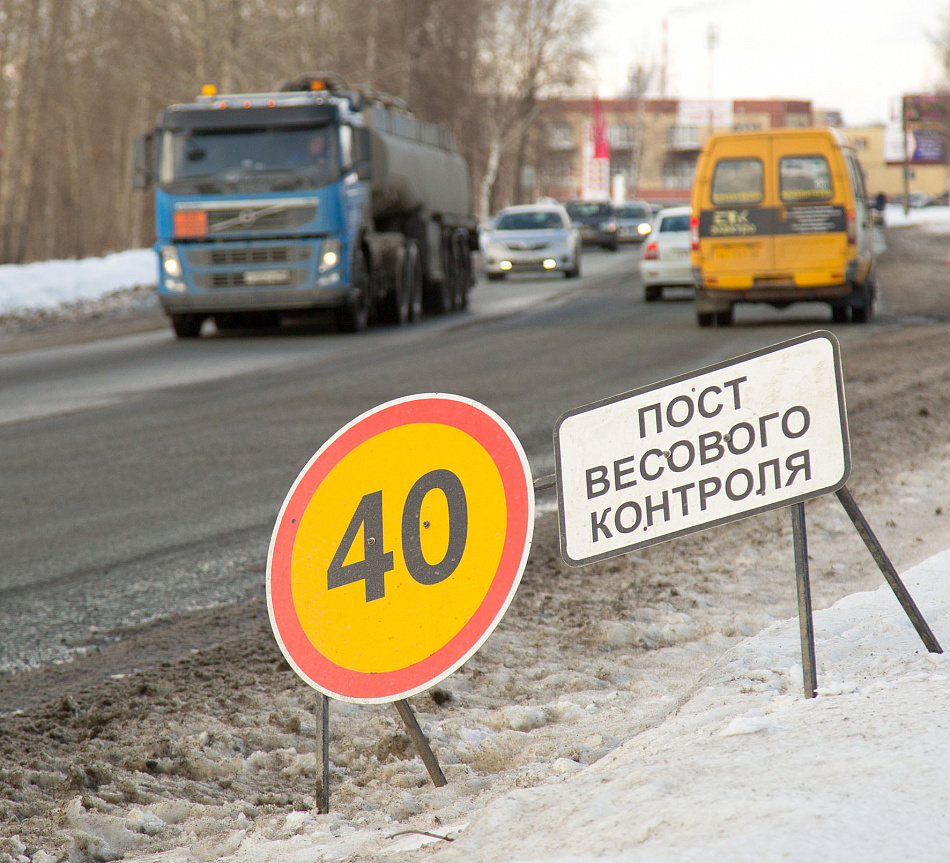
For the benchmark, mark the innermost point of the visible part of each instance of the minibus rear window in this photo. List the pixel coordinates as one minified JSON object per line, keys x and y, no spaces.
{"x":804,"y":178}
{"x":737,"y":181}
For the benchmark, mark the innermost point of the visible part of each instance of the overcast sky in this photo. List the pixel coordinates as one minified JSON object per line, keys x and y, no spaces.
{"x":858,"y":56}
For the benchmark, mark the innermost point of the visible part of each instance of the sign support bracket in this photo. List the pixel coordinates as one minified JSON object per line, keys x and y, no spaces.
{"x":805,"y":621}
{"x":323,"y":754}
{"x":887,"y":569}
{"x":422,"y":744}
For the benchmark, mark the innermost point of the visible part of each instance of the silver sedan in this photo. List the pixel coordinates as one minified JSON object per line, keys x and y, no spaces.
{"x":532,"y":238}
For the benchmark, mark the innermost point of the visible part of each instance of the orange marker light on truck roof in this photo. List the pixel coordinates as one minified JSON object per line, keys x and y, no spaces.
{"x":209,"y":90}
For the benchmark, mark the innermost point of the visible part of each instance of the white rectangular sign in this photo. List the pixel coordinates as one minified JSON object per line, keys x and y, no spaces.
{"x":760,"y":431}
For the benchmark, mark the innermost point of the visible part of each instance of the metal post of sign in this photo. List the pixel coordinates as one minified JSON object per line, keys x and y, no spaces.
{"x":323,"y":754}
{"x":887,"y":568}
{"x":805,"y":622}
{"x":425,"y":751}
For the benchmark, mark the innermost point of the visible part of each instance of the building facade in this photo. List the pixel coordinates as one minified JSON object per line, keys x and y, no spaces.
{"x":654,"y":145}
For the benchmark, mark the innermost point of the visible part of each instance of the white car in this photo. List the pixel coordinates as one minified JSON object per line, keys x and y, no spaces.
{"x":665,"y":259}
{"x":531,"y":237}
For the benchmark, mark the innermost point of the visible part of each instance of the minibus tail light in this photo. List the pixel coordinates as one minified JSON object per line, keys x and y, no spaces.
{"x":694,"y":233}
{"x":852,"y":228}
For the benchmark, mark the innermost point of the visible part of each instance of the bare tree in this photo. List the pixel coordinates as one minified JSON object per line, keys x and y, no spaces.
{"x":640,"y":78}
{"x":528,"y":49}
{"x":80,"y":79}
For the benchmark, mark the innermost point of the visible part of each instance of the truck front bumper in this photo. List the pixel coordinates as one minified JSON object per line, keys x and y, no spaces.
{"x":270,"y":300}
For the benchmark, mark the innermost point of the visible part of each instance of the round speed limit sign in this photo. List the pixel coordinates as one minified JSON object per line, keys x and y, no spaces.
{"x":399,"y":547}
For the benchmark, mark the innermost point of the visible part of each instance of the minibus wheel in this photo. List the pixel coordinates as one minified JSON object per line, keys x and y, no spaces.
{"x":726,"y":318}
{"x":862,"y":310}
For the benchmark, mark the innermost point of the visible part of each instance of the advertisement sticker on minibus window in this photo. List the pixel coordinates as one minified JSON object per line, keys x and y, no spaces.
{"x":804,"y":178}
{"x":737,"y":181}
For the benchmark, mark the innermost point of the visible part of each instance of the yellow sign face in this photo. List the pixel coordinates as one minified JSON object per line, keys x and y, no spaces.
{"x":400,"y":547}
{"x":409,"y":620}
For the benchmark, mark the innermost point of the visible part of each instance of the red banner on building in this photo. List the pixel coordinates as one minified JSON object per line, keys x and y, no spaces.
{"x":601,"y":144}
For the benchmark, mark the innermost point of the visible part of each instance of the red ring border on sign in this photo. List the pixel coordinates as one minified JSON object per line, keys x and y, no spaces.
{"x":504,"y":448}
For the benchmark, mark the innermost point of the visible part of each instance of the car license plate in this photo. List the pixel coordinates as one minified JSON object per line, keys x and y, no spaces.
{"x":732,"y":253}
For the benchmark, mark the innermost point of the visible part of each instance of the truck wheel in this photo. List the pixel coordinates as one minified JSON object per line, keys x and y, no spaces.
{"x":705,"y":319}
{"x":463,"y":272}
{"x":353,"y":316}
{"x":412,"y":281}
{"x":436,"y":298}
{"x":451,"y":287}
{"x":439,"y":297}
{"x":187,"y":326}
{"x":394,"y":308}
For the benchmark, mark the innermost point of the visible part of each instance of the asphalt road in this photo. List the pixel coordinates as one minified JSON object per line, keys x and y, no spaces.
{"x":141,"y":476}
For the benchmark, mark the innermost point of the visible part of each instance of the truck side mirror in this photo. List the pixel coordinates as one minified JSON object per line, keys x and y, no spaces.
{"x":143,"y":155}
{"x":364,"y":153}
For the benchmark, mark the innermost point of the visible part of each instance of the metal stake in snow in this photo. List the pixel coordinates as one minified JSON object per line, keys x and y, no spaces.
{"x":323,"y":749}
{"x":759,"y":432}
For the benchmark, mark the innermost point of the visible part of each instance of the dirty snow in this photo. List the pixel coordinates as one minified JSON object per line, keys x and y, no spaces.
{"x":741,"y":767}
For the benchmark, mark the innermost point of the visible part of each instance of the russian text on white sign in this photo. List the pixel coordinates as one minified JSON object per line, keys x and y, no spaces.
{"x":763,"y":430}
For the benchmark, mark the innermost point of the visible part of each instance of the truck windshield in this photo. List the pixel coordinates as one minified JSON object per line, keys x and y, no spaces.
{"x":208,"y":161}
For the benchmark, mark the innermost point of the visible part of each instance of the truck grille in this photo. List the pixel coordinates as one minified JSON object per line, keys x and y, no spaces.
{"x":254,"y":219}
{"x":242,"y":256}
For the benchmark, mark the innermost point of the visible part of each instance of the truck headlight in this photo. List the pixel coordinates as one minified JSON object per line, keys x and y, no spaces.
{"x":171,"y":263}
{"x":331,"y":254}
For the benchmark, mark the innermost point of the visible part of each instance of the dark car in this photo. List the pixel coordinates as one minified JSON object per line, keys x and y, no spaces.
{"x":596,"y":221}
{"x":634,"y":221}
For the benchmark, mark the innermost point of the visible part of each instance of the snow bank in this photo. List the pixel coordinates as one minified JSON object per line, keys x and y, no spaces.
{"x":749,"y":770}
{"x":932,"y":219}
{"x":49,"y":284}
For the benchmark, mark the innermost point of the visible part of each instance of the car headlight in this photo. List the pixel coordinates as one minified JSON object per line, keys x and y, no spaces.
{"x":608,"y":226}
{"x":644,"y":228}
